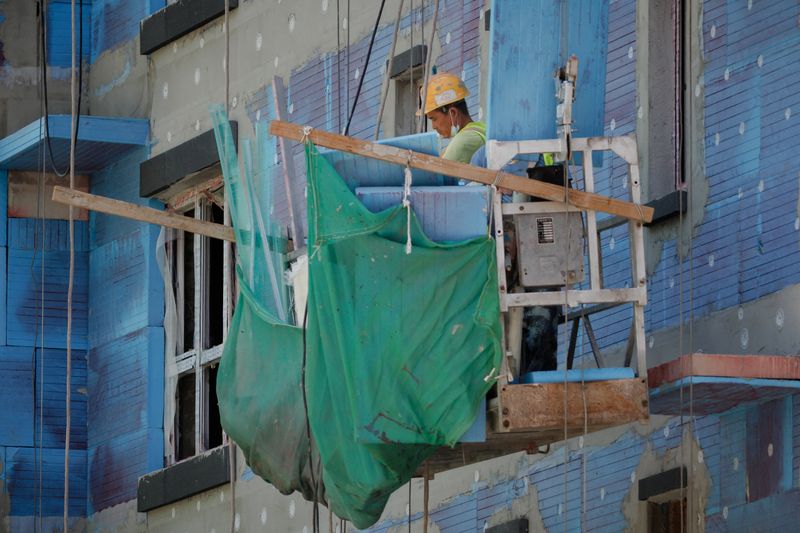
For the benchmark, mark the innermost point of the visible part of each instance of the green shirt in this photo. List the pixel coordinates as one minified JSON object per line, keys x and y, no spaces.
{"x":466,"y":142}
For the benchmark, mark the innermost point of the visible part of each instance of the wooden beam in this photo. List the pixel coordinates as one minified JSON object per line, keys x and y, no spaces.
{"x":539,"y":407}
{"x":725,"y":365}
{"x":456,"y":169}
{"x":141,"y":213}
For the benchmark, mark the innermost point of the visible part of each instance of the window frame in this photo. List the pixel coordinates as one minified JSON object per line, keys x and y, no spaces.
{"x":198,"y":358}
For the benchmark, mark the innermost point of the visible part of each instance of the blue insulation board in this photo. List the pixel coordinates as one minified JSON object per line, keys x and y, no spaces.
{"x":576,"y":375}
{"x":22,"y":481}
{"x":521,"y":91}
{"x":29,"y":249}
{"x":3,"y":207}
{"x":126,"y":343}
{"x":115,"y":22}
{"x":59,"y":31}
{"x":16,"y":388}
{"x":360,"y":171}
{"x":51,"y":373}
{"x":447,"y":214}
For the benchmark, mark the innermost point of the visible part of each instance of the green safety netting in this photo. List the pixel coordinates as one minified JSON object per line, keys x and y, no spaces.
{"x":400,"y":348}
{"x":258,"y":381}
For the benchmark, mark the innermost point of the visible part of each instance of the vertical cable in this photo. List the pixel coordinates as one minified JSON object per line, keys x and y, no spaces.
{"x":386,"y":77}
{"x":227,"y":221}
{"x":347,"y":74}
{"x":409,"y":506}
{"x":411,"y":66}
{"x":339,"y":66}
{"x":427,"y":72}
{"x":73,"y":118}
{"x":38,"y":387}
{"x":366,"y":66}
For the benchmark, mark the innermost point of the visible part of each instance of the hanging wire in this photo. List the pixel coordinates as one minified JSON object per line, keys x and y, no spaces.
{"x":413,"y":105}
{"x":70,"y":286}
{"x":339,"y":66}
{"x":409,"y":506}
{"x":303,"y":385}
{"x":421,"y":121}
{"x":426,"y":493}
{"x":687,"y":487}
{"x":386,"y":77}
{"x":38,"y":368}
{"x":231,"y":443}
{"x":347,"y":76}
{"x":46,"y":113}
{"x":366,"y":65}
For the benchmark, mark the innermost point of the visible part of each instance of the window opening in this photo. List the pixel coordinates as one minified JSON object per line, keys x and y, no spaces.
{"x":213,"y":423}
{"x":665,"y":517}
{"x":198,"y":269}
{"x":185,"y":420}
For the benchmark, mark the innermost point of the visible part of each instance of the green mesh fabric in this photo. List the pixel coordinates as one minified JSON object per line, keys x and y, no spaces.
{"x":259,"y":377}
{"x":398,"y":344}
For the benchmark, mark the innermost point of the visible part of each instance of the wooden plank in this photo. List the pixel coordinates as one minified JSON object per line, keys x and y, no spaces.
{"x":540,"y":407}
{"x":461,"y":170}
{"x":110,"y":206}
{"x":723,"y":365}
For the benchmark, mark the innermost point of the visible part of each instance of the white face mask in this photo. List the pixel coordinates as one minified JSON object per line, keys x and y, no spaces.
{"x":453,"y":128}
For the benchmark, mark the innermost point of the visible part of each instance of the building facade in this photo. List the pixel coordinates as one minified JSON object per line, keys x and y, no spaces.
{"x":711,"y":88}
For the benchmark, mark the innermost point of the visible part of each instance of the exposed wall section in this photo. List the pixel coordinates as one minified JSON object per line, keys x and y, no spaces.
{"x":19,"y":72}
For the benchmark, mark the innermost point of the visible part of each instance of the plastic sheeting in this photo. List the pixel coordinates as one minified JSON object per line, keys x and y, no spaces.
{"x":259,"y":378}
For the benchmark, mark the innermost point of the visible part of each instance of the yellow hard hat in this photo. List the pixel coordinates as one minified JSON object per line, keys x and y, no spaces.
{"x":444,"y":89}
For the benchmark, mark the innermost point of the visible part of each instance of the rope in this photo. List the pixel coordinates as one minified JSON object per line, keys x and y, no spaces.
{"x":71,"y":283}
{"x":46,"y":113}
{"x":409,"y":506}
{"x":412,"y":90}
{"x":366,"y":65}
{"x":38,"y":387}
{"x":427,"y":72}
{"x":385,"y":88}
{"x":426,"y":493}
{"x":339,"y":66}
{"x":231,"y":443}
{"x":407,"y":202}
{"x":347,"y":77}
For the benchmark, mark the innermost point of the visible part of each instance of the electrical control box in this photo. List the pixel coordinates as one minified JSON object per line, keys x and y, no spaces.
{"x":549,"y":249}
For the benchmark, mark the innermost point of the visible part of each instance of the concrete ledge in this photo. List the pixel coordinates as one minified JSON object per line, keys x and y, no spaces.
{"x":158,"y":173}
{"x":183,"y":479}
{"x":176,"y":20}
{"x":662,"y":482}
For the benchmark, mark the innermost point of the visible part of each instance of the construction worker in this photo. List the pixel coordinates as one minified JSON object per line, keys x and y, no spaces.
{"x":446,"y":108}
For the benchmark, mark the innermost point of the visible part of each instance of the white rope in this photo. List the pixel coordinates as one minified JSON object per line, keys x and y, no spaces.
{"x":407,"y":205}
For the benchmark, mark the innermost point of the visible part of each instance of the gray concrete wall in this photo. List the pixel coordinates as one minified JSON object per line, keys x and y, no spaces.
{"x":19,"y":71}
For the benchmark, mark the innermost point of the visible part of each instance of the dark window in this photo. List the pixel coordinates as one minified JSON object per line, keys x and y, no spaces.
{"x":214,"y":283}
{"x":213,"y":424}
{"x":186,"y":288}
{"x":666,"y":517}
{"x":184,"y":417}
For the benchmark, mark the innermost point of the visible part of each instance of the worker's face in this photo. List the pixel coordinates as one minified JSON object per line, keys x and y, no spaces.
{"x":442,"y":122}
